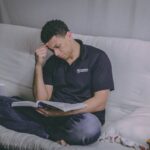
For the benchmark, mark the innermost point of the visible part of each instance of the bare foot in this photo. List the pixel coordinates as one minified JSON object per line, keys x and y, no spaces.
{"x":62,"y":142}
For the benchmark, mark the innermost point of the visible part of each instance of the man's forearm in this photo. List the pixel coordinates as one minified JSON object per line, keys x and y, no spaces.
{"x":91,"y":106}
{"x":39,"y":89}
{"x":94,"y":104}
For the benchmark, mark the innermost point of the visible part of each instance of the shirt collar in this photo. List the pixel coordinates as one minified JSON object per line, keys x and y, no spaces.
{"x":82,"y":49}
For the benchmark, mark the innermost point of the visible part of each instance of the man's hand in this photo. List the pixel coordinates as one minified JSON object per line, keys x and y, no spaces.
{"x":50,"y":112}
{"x":40,"y":55}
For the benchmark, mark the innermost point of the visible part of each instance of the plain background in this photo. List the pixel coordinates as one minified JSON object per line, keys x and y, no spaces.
{"x":113,"y":18}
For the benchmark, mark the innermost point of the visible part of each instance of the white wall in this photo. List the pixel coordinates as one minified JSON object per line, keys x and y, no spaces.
{"x":120,"y":18}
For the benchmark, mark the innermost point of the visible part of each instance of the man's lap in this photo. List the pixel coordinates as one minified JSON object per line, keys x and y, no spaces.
{"x":76,"y":129}
{"x":13,"y":119}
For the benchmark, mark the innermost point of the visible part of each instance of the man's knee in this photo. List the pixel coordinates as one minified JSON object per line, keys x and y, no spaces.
{"x":86,"y":129}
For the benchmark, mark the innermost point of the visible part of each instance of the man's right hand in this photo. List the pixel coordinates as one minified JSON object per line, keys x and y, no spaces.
{"x":40,"y":55}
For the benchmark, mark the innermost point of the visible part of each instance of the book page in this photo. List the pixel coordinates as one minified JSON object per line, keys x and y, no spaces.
{"x":62,"y":106}
{"x":24,"y":104}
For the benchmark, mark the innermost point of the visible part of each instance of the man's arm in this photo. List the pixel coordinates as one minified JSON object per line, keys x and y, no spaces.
{"x":94,"y":104}
{"x":40,"y":90}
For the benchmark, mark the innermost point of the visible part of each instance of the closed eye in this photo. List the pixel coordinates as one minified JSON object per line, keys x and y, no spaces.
{"x":57,"y":46}
{"x":50,"y":49}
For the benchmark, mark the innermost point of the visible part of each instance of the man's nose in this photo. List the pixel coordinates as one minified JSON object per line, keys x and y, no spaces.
{"x":56,"y":52}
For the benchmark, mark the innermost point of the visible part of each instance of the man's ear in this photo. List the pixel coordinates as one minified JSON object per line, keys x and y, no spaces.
{"x":69,"y":34}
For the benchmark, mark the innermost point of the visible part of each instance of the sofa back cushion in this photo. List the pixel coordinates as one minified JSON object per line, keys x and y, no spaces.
{"x":17,"y":45}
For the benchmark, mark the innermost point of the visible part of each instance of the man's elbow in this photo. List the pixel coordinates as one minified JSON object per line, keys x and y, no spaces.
{"x":100,"y":107}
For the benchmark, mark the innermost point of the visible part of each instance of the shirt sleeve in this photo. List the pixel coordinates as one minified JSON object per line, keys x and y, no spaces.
{"x":102,"y":74}
{"x":48,"y":70}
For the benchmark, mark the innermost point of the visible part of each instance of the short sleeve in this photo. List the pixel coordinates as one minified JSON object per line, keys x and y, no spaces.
{"x":48,"y":70}
{"x":102,"y":78}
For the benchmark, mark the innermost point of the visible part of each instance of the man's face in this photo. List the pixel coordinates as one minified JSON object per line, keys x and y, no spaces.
{"x":61,"y":46}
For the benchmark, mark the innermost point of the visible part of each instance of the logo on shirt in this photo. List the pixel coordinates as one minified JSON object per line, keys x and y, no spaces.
{"x":82,"y":70}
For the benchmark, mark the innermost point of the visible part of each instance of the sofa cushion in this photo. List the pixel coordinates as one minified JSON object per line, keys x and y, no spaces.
{"x":24,"y":141}
{"x":132,"y":130}
{"x":17,"y":47}
{"x":19,"y":38}
{"x":16,"y":68}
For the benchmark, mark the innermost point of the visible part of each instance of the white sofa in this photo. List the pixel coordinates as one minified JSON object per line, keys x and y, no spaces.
{"x":131,"y":71}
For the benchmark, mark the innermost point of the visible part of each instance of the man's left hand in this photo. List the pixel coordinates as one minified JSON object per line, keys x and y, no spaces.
{"x":50,"y":112}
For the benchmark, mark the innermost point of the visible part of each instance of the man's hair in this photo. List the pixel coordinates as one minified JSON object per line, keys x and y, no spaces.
{"x":51,"y":28}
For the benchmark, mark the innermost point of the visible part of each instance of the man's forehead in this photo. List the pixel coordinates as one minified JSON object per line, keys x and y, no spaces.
{"x":53,"y":41}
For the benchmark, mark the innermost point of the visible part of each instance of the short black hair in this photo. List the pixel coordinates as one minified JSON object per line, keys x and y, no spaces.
{"x":51,"y":28}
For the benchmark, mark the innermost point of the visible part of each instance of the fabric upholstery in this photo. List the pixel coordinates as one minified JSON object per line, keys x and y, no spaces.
{"x":130,"y":64}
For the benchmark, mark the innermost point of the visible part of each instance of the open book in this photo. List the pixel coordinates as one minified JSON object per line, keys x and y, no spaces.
{"x":49,"y":104}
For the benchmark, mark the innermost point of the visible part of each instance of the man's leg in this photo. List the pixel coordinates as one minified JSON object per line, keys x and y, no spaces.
{"x":79,"y":129}
{"x":16,"y":120}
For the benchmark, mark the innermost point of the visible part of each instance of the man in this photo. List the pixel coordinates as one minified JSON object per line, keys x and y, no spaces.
{"x":75,"y":73}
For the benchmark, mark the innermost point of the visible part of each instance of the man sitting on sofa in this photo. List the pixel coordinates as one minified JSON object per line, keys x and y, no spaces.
{"x":75,"y":73}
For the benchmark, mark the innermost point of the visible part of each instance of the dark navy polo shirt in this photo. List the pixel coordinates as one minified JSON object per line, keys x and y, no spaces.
{"x":77,"y":82}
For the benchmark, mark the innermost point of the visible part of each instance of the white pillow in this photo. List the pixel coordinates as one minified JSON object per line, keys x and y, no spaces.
{"x":133,"y":130}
